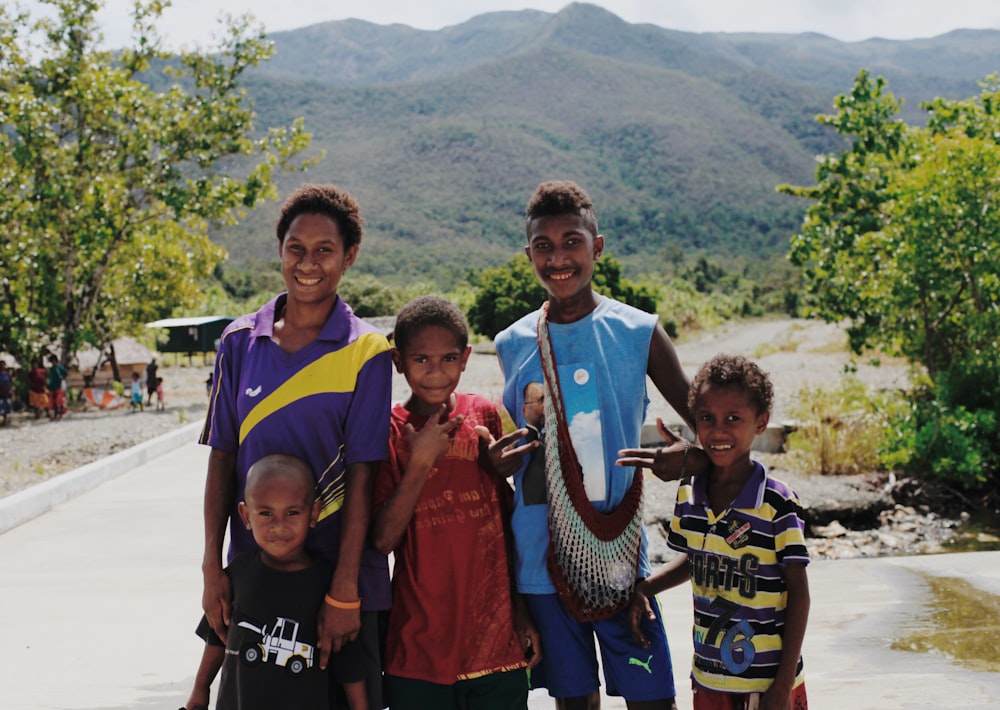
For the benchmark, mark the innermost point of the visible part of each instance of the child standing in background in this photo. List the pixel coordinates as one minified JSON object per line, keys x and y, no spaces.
{"x":57,"y":395}
{"x":6,"y":387}
{"x":38,"y":397}
{"x":136,"y":392}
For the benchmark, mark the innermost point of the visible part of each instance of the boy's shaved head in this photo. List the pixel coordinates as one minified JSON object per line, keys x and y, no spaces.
{"x":557,"y":197}
{"x":283,"y":466}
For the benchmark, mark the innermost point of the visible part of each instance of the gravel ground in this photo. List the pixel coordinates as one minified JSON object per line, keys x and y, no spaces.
{"x":847,"y":512}
{"x":33,"y":450}
{"x":796,"y":353}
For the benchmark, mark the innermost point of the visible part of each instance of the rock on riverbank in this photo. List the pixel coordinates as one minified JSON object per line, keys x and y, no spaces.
{"x":846,"y":517}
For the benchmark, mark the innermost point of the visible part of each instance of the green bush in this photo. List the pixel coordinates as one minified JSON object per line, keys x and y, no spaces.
{"x":951,"y":430}
{"x":952,"y":444}
{"x":841,"y":430}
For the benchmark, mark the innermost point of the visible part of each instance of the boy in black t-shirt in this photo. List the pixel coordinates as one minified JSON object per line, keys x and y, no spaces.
{"x":269,"y":657}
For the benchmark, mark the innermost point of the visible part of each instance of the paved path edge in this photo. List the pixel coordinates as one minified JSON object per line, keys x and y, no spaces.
{"x":22,"y":506}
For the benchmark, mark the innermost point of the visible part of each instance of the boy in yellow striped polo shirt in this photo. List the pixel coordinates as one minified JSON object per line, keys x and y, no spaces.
{"x":741,"y":537}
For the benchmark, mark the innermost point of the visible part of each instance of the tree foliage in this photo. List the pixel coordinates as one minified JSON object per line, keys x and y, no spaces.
{"x":508,"y":292}
{"x":903,"y":238}
{"x":904,"y":241}
{"x":369,"y":297}
{"x":109,"y":185}
{"x":849,"y":203}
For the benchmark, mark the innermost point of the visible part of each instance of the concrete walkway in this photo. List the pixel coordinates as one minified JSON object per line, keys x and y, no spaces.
{"x":100,"y":595}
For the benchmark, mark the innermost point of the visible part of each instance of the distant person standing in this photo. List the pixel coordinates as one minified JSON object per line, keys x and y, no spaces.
{"x":151,"y":380}
{"x":160,"y":404}
{"x":57,"y":395}
{"x":38,"y":397}
{"x":136,"y":401}
{"x":6,"y":386}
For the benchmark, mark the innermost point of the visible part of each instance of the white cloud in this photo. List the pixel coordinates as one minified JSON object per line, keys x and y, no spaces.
{"x":588,"y":442}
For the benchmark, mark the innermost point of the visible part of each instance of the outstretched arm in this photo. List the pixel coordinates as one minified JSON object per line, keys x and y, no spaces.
{"x":664,"y":369}
{"x":678,"y":459}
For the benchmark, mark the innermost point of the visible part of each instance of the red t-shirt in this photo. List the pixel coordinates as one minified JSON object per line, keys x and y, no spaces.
{"x":452,"y":617}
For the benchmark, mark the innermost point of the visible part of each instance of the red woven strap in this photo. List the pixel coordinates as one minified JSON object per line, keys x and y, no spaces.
{"x":604,"y":526}
{"x":575,"y":605}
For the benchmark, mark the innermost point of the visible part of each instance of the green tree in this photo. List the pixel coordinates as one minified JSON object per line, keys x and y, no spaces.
{"x":904,"y":241}
{"x":504,"y":294}
{"x":849,"y":199}
{"x":940,"y":282}
{"x":904,"y":236}
{"x":369,"y":297}
{"x":508,"y":292}
{"x":108,"y":185}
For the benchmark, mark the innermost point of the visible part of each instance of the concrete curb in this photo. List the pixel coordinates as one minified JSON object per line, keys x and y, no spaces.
{"x":20,"y":507}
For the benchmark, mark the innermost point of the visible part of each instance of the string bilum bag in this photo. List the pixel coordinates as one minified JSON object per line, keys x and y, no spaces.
{"x":593,"y":557}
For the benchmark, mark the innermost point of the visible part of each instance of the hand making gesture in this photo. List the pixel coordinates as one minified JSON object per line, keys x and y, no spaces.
{"x":674,"y":461}
{"x":504,"y":457}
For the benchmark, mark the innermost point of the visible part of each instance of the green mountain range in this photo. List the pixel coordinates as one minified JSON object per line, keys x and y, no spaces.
{"x":680,"y":138}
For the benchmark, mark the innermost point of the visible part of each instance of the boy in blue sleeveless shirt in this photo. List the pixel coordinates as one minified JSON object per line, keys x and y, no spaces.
{"x":593,"y":356}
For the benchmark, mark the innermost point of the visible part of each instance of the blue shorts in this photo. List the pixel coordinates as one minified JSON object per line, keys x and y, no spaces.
{"x":569,"y":662}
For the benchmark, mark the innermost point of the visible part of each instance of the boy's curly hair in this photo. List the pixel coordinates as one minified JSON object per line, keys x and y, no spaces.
{"x":425,"y":311}
{"x":734,"y":371}
{"x":327,"y":200}
{"x":557,"y":197}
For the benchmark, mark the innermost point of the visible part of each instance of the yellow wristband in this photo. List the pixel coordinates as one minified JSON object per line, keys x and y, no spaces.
{"x":342,"y":605}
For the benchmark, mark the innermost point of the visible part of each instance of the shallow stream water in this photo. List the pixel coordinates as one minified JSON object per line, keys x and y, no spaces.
{"x":980,"y":533}
{"x":957,"y":620}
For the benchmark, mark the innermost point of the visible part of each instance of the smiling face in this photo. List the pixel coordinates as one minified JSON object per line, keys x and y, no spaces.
{"x":313,"y":259}
{"x":432,"y":362}
{"x":280,"y":509}
{"x":563,"y":250}
{"x":727,"y":422}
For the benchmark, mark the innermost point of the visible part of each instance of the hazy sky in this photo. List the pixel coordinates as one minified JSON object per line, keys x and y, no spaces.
{"x":193,"y":21}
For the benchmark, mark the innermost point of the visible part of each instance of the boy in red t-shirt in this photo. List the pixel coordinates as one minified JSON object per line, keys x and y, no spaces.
{"x":457,"y":630}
